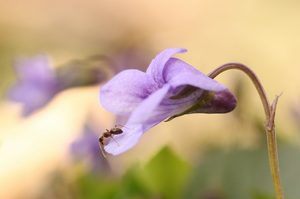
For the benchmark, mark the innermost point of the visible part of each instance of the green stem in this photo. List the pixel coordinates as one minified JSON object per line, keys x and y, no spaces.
{"x":270,"y":111}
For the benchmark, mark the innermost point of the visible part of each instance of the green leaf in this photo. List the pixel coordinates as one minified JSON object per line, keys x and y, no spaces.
{"x":166,"y":174}
{"x":95,"y":187}
{"x":133,"y":185}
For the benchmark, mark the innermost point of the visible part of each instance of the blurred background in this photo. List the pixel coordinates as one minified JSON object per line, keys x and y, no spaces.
{"x":55,"y":55}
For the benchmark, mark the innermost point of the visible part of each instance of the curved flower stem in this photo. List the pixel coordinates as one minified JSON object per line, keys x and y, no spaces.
{"x":270,"y":111}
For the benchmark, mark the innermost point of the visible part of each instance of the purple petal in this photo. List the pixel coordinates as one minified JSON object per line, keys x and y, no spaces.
{"x":156,"y":68}
{"x":145,"y":110}
{"x":123,"y":93}
{"x":178,"y":73}
{"x":140,"y":121}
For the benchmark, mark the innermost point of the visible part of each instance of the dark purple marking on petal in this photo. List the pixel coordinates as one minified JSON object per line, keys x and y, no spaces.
{"x":223,"y":102}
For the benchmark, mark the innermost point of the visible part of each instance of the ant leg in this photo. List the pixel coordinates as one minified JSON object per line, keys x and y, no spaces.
{"x":114,"y":140}
{"x":102,"y":150}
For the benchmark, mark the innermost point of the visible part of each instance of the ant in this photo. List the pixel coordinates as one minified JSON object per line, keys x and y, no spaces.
{"x":109,"y":134}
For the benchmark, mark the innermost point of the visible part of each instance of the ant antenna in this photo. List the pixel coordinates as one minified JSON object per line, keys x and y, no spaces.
{"x":119,"y":125}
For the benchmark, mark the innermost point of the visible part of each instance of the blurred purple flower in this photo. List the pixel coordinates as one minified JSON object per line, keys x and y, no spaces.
{"x":86,"y":148}
{"x":36,"y":83}
{"x":169,"y":88}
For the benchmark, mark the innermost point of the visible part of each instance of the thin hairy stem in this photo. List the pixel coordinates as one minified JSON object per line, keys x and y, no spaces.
{"x":270,"y":111}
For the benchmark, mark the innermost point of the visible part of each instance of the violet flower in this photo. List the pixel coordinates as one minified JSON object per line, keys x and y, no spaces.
{"x":169,"y":88}
{"x":36,"y":83}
